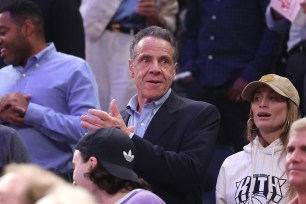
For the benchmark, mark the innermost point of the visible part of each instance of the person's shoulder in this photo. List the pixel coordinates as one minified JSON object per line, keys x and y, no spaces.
{"x":239,"y":157}
{"x":6,"y":131}
{"x":187,"y":101}
{"x":145,"y":196}
{"x":8,"y":134}
{"x":69,"y":56}
{"x":73,"y":61}
{"x":193,"y":104}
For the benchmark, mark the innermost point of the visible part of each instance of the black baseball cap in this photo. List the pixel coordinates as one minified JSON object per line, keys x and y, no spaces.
{"x":113,"y":149}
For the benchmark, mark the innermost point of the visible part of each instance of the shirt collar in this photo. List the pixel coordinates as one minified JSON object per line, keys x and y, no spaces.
{"x":133,"y":103}
{"x":44,"y":53}
{"x":38,"y":56}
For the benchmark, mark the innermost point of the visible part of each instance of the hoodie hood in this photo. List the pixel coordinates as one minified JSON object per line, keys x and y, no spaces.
{"x":275,"y":147}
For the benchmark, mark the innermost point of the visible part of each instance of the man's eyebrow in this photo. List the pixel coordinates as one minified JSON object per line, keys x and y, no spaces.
{"x":144,"y":56}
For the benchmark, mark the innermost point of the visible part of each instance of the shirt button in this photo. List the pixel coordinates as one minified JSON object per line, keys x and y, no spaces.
{"x":23,"y":75}
{"x":213,"y":17}
{"x":210,"y":57}
{"x":212,"y":37}
{"x":36,"y":65}
{"x":142,"y":124}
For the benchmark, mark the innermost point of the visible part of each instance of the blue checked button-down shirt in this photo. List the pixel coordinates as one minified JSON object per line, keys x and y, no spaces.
{"x":141,"y":120}
{"x":226,"y":39}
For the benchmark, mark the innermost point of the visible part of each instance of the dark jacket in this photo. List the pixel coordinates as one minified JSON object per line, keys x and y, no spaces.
{"x":11,"y":148}
{"x":176,"y":148}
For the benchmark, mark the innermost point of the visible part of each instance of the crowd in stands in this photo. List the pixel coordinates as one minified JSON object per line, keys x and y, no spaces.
{"x":130,"y":101}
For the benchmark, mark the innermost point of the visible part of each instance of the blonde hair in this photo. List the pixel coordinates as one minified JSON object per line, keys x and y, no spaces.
{"x":298,"y":125}
{"x":37,"y":183}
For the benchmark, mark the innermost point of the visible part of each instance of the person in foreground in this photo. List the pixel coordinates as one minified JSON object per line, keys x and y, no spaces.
{"x":103,"y":164}
{"x":257,"y":174}
{"x":296,"y":160}
{"x":29,"y":184}
{"x":42,"y":92}
{"x":174,"y":136}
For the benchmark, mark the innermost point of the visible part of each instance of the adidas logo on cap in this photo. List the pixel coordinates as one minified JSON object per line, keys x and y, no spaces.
{"x":128,"y":156}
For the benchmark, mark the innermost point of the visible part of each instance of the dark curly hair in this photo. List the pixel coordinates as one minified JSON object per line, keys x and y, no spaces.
{"x":109,"y":183}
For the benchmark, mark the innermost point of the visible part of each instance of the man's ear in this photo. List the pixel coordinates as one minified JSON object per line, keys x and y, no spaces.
{"x":92,"y":162}
{"x":131,"y":68}
{"x":27,"y":27}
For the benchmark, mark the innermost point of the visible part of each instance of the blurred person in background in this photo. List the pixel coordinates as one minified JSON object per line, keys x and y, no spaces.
{"x":225,"y":46}
{"x":110,"y":27}
{"x":295,"y":69}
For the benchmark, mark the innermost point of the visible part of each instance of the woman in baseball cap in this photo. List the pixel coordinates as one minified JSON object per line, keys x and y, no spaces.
{"x":103,"y":163}
{"x":257,"y":174}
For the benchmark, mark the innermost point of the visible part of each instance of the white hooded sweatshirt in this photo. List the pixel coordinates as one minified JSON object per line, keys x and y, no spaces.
{"x":255,"y":175}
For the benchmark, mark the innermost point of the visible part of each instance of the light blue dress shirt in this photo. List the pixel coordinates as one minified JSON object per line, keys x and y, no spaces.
{"x":63,"y":88}
{"x":141,"y":120}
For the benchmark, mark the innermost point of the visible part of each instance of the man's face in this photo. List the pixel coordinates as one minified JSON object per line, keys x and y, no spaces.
{"x":81,"y":168}
{"x":13,"y":48}
{"x":296,"y":159}
{"x":153,"y":68}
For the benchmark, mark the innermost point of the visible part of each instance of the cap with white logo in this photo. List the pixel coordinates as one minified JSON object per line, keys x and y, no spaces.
{"x":113,"y":149}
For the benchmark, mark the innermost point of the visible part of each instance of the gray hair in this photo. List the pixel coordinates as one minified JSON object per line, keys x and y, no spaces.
{"x":157,"y":32}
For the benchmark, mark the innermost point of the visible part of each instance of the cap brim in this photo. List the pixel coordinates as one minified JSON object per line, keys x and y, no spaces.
{"x":120,"y":171}
{"x":248,"y":91}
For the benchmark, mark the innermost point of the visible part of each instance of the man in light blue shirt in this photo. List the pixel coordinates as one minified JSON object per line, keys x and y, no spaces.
{"x":46,"y":92}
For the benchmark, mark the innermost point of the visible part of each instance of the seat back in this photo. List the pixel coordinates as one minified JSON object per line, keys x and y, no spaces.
{"x":210,"y":178}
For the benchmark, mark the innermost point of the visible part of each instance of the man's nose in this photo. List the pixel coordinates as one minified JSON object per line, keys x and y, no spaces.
{"x":295,"y":156}
{"x":155,"y":67}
